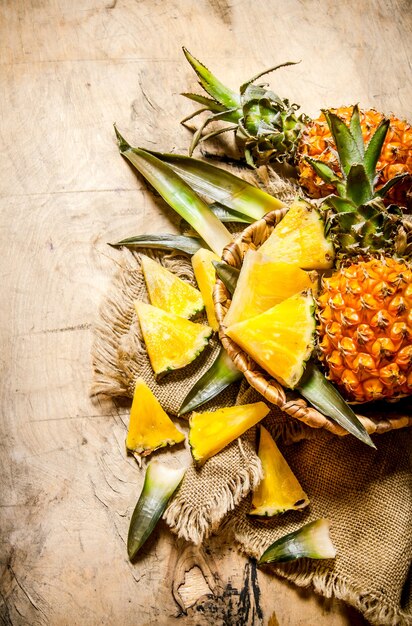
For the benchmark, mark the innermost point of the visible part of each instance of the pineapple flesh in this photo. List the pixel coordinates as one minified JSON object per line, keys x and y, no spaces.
{"x":150,"y":427}
{"x":300,"y":239}
{"x":280,"y":340}
{"x":211,"y":431}
{"x":172,"y":342}
{"x":202,"y":263}
{"x":169,"y":292}
{"x":262,"y":284}
{"x":279,"y":490}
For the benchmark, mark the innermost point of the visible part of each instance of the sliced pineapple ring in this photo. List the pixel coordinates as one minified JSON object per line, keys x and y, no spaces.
{"x":280,"y":490}
{"x":300,"y":238}
{"x":212,"y":431}
{"x":280,"y":340}
{"x":150,"y":427}
{"x":263,"y":283}
{"x":171,"y":341}
{"x":202,"y":262}
{"x":169,"y":292}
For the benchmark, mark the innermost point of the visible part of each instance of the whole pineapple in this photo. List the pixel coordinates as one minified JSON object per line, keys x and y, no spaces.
{"x":365,"y":307}
{"x":365,"y":325}
{"x":268,"y":128}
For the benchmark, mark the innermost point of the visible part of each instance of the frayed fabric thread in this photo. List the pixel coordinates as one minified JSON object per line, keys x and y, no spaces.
{"x":376,"y":609}
{"x":196,"y":524}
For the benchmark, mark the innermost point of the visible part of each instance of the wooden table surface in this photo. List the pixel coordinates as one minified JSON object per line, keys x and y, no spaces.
{"x":69,"y":69}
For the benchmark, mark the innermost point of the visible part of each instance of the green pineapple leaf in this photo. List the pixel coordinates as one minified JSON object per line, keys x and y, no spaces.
{"x":345,"y":221}
{"x":252,"y":119}
{"x":220,"y":375}
{"x":327,"y":174}
{"x":178,"y":195}
{"x":358,"y":185}
{"x":228,"y":275}
{"x":374,"y":149}
{"x":326,"y":398}
{"x":212,"y":85}
{"x":346,"y":145}
{"x":356,"y":130}
{"x":221,"y":186}
{"x":393,"y":181}
{"x":209,"y":105}
{"x":189,"y":245}
{"x":341,"y":205}
{"x":227,"y":215}
{"x":271,"y":69}
{"x":198,"y":136}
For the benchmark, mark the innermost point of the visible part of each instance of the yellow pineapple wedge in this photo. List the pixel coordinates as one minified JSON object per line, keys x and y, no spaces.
{"x":172,"y":342}
{"x":150,"y":427}
{"x":280,"y":340}
{"x":300,"y":239}
{"x":212,"y":431}
{"x":279,"y":490}
{"x":263,"y":283}
{"x":202,"y":262}
{"x":169,"y":292}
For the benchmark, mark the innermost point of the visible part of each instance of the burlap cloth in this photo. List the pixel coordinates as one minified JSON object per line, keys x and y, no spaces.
{"x":366,"y":494}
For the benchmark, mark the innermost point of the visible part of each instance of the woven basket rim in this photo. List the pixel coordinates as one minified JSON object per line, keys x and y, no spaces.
{"x":290,"y":402}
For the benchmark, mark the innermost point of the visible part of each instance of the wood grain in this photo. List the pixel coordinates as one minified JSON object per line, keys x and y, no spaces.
{"x":69,"y":69}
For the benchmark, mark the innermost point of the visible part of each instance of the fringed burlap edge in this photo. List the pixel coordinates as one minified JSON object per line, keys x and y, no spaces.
{"x":118,"y":351}
{"x":375,"y":608}
{"x":195,"y":525}
{"x":115,"y":320}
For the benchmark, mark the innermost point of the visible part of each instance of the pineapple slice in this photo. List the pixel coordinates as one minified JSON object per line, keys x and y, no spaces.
{"x":300,"y":238}
{"x":262,"y":284}
{"x":202,"y":262}
{"x":280,"y":340}
{"x":212,"y":431}
{"x":150,"y":427}
{"x":171,"y":341}
{"x":169,"y":292}
{"x":279,"y":491}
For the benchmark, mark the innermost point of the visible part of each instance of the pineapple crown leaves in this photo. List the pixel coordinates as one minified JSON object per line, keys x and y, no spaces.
{"x":219,"y":93}
{"x":357,"y":217}
{"x":358,"y":162}
{"x":266,"y":126}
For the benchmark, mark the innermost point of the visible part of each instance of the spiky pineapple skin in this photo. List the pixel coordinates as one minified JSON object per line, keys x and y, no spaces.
{"x":396,"y":157}
{"x":365,"y":329}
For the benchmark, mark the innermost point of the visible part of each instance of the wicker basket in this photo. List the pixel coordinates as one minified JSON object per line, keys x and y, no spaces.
{"x":378,"y":417}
